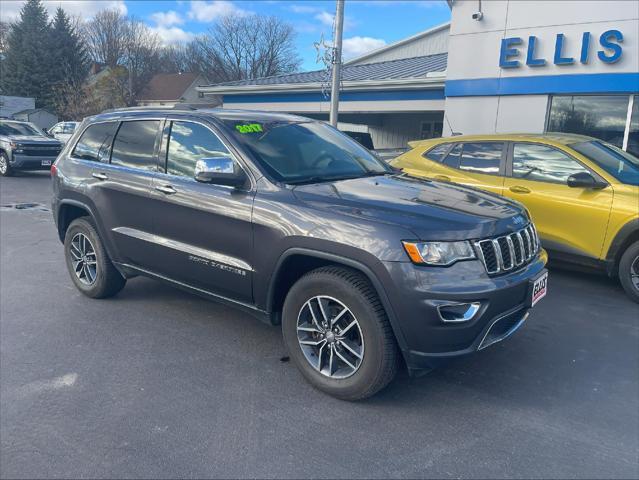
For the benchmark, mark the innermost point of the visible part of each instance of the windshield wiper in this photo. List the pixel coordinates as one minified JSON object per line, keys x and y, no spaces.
{"x":321,"y":179}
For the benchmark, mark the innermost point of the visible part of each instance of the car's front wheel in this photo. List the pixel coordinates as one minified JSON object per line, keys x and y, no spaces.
{"x":629,"y":271}
{"x":5,"y":168}
{"x":89,"y":265}
{"x":338,"y":335}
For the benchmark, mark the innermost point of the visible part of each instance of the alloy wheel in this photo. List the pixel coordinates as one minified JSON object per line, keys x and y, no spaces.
{"x":634,"y":273}
{"x":3,"y":164}
{"x":83,"y":257}
{"x":330,"y":337}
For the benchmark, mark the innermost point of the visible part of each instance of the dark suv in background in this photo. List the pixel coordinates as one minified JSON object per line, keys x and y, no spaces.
{"x":24,"y":147}
{"x":298,"y":224}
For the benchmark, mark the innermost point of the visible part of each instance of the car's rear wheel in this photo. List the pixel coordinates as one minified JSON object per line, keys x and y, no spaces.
{"x":629,"y":271}
{"x":338,"y":335}
{"x":89,"y":265}
{"x":5,"y":168}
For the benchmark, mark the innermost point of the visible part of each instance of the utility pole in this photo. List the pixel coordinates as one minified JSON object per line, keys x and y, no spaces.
{"x":337,"y":61}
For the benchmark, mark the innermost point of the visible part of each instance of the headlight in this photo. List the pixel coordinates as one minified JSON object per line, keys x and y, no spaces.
{"x":16,"y":147}
{"x":438,"y":253}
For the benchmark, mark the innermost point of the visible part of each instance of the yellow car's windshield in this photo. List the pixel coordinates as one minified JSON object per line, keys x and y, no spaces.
{"x":622,"y":165}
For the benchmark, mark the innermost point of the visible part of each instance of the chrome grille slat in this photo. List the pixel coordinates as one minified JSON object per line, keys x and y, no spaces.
{"x":508,"y":252}
{"x":511,"y":249}
{"x":500,"y":258}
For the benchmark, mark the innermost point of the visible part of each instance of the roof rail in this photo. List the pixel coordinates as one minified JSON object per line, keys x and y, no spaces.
{"x":177,"y":106}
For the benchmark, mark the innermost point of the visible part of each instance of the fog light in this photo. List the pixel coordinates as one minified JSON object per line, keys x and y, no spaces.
{"x":458,"y":312}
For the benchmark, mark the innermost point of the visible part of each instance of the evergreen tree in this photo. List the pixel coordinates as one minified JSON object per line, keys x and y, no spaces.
{"x":70,"y":56}
{"x":69,"y":59}
{"x":26,"y":66}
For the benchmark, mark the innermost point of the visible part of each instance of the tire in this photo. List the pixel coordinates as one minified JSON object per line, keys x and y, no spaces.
{"x":100,"y":279}
{"x":629,"y":271}
{"x":5,"y":168}
{"x":371,"y":335}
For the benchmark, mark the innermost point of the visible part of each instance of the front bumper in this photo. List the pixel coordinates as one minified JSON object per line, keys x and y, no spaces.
{"x":30,"y":162}
{"x":426,"y":340}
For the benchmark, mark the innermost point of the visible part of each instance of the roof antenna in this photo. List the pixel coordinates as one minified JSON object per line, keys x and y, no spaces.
{"x":453,"y":133}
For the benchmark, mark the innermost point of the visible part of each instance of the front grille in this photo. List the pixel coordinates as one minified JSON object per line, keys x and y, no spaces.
{"x":40,"y":151}
{"x":509,"y":252}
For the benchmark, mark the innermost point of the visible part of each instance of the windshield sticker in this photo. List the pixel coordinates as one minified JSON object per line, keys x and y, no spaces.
{"x":250,"y":128}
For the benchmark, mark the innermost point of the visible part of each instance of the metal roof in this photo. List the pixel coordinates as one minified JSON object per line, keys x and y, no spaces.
{"x":416,"y":67}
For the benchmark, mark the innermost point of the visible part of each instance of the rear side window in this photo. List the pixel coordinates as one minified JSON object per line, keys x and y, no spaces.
{"x":482,"y":157}
{"x":95,"y":142}
{"x":190,"y":142}
{"x":452,"y":159}
{"x":438,"y":153}
{"x":134,"y":145}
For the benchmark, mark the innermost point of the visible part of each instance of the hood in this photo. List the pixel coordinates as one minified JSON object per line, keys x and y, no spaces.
{"x":34,"y":139}
{"x":431,"y":210}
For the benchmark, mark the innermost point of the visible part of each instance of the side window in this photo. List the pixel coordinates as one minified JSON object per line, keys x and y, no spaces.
{"x":57,"y":129}
{"x":452,"y":159}
{"x":95,"y":142}
{"x":437,"y":153}
{"x":188,"y":143}
{"x":543,"y":164}
{"x":68,"y":128}
{"x":134,"y":145}
{"x":484,"y":157}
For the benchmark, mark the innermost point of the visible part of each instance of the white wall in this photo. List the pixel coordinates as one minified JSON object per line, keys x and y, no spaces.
{"x":398,"y":129}
{"x":474,"y":49}
{"x":435,"y":42}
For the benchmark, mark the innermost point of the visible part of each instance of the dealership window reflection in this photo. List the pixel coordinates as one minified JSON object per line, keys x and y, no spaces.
{"x":543,"y":164}
{"x":599,"y":116}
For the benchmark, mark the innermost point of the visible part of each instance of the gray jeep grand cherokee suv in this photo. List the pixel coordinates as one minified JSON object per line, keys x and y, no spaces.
{"x":298,"y":224}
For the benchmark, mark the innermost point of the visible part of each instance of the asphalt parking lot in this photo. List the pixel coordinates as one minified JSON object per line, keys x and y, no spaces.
{"x":159,"y":383}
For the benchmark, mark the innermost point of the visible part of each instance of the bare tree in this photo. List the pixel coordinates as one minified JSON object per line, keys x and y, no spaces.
{"x":141,"y":56}
{"x":106,"y":37}
{"x":241,"y":47}
{"x":120,"y":41}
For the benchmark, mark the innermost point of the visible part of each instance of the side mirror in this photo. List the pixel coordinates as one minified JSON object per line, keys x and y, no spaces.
{"x":220,"y":171}
{"x":585,"y":180}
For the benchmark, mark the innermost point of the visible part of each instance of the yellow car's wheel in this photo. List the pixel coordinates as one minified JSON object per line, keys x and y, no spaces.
{"x":629,"y":271}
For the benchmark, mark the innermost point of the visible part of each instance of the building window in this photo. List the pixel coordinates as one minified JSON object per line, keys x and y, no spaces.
{"x":431,"y":129}
{"x":599,"y":116}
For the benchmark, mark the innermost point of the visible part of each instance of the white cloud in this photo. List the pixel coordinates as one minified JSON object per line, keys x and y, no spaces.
{"x":303,"y":8}
{"x":172,"y":35}
{"x":356,"y":46}
{"x":208,"y":11}
{"x":326,"y":19}
{"x":10,"y":10}
{"x":167,"y":19}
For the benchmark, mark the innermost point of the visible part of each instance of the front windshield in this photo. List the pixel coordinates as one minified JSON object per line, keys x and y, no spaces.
{"x":18,"y":128}
{"x":305,"y":151}
{"x":622,"y":165}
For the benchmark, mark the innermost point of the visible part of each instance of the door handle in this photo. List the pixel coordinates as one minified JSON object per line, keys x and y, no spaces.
{"x":167,"y":189}
{"x":442,"y":178}
{"x":519,"y":189}
{"x":99,"y":176}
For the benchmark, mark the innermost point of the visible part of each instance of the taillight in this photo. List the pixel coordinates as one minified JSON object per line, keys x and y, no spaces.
{"x":54,"y":170}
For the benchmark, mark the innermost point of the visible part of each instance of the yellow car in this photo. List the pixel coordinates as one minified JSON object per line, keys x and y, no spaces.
{"x":582,"y":193}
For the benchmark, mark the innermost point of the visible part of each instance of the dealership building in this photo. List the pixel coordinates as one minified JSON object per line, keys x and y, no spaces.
{"x":498,"y":67}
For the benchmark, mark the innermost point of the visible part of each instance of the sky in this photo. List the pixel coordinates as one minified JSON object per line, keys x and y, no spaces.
{"x":368,"y":24}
